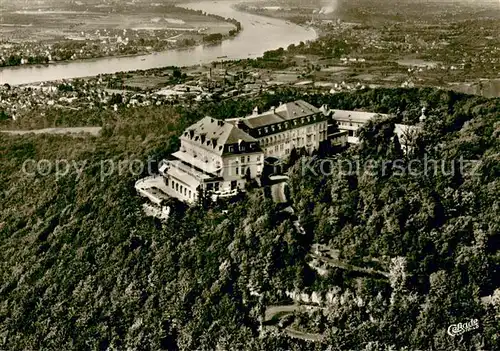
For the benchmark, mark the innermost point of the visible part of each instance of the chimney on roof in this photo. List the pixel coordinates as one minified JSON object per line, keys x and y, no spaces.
{"x":255,"y":111}
{"x":240,"y":124}
{"x":325,"y":109}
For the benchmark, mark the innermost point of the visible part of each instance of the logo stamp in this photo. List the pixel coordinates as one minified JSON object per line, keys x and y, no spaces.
{"x":462,"y":328}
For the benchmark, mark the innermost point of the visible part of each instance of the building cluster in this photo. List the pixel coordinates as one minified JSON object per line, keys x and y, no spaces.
{"x":101,"y":43}
{"x":120,"y":90}
{"x":217,"y":158}
{"x":17,"y":101}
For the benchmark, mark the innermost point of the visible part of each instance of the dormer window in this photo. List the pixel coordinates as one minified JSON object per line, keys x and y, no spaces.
{"x":230,"y":149}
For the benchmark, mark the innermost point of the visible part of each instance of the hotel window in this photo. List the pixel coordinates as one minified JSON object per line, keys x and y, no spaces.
{"x":237,"y":170}
{"x":230,"y":149}
{"x":258,"y":158}
{"x":190,"y":193}
{"x":248,"y":159}
{"x":242,"y":159}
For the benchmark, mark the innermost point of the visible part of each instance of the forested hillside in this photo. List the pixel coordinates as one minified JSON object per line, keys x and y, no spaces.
{"x":81,"y":268}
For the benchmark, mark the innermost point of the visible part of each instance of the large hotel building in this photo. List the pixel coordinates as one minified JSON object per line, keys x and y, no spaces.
{"x":219,"y":157}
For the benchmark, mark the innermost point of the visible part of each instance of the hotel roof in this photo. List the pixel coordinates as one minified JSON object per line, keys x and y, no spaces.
{"x":282,"y":113}
{"x":212,"y":134}
{"x":354,"y":116}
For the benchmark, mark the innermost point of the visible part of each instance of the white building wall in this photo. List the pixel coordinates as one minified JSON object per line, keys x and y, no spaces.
{"x":181,"y":190}
{"x":235,"y":166}
{"x":281,"y":144}
{"x":214,"y":159}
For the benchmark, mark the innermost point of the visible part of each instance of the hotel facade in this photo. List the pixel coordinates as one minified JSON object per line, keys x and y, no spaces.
{"x":218,"y":157}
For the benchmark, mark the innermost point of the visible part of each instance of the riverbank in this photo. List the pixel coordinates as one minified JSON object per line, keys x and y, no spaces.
{"x":126,"y":31}
{"x":247,"y":44}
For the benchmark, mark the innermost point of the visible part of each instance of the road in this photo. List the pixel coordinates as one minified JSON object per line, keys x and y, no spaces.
{"x":282,"y":311}
{"x":278,"y":193}
{"x":74,"y":130}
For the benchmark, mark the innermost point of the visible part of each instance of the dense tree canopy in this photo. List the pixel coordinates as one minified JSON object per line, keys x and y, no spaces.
{"x":81,"y":267}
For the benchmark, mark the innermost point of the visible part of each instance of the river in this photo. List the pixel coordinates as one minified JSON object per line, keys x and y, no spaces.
{"x":259,"y":34}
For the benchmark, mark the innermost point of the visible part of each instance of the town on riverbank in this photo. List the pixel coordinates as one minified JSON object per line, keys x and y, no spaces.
{"x":60,"y":31}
